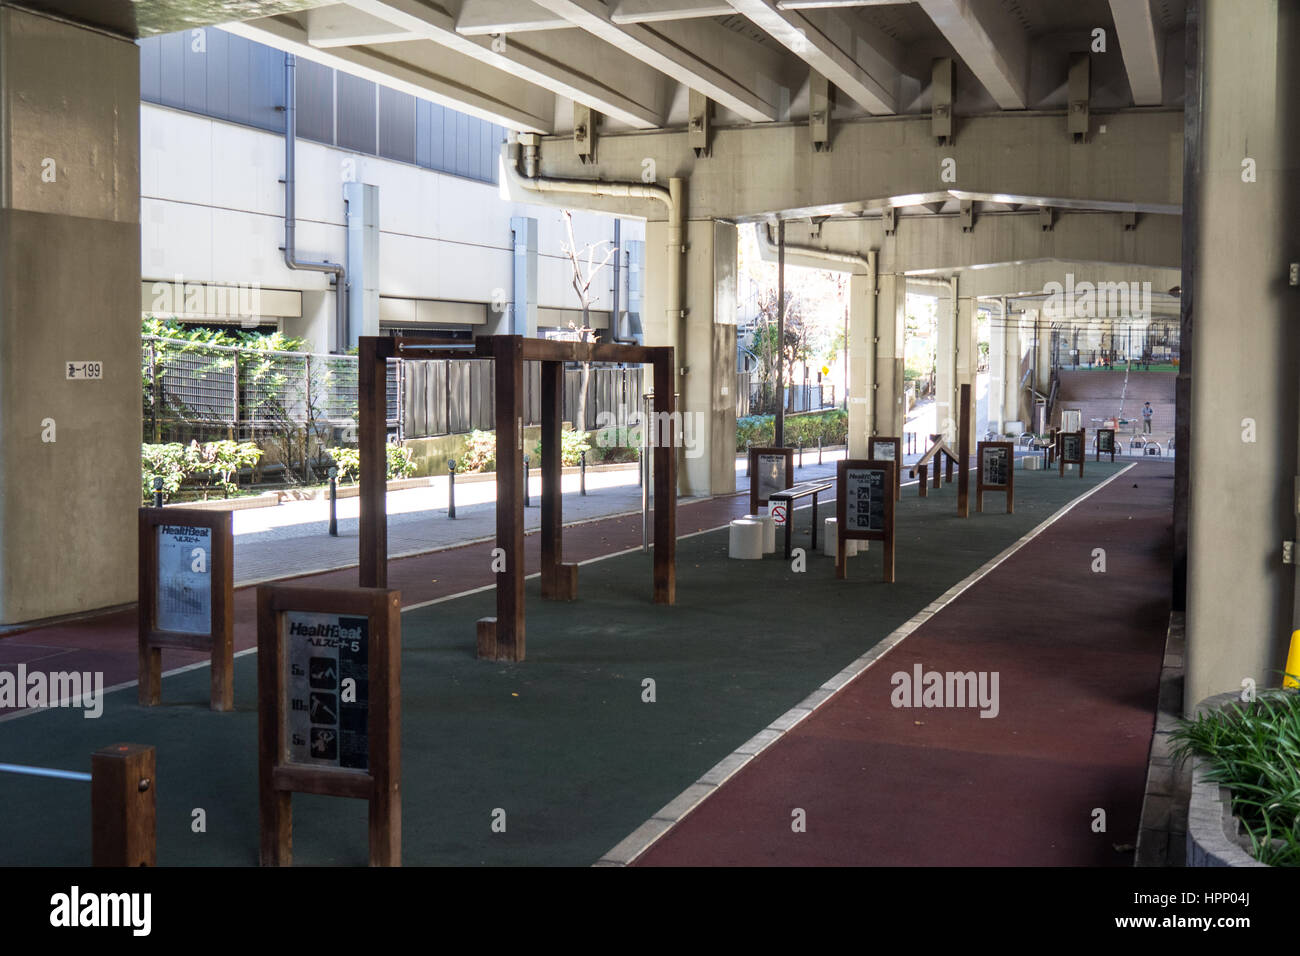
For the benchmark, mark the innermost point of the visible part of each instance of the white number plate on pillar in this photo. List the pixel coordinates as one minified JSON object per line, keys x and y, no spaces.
{"x":85,"y":370}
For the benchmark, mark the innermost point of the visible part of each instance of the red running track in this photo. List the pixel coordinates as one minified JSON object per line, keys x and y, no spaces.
{"x":1078,"y":656}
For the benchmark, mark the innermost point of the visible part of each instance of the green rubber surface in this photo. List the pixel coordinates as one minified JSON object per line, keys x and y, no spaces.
{"x":563,"y":742}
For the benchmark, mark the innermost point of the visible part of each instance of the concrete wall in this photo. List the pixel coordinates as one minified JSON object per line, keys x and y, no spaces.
{"x":212,"y":210}
{"x":69,"y":292}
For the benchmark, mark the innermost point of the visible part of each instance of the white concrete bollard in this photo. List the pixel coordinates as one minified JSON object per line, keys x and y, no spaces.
{"x":746,"y":541}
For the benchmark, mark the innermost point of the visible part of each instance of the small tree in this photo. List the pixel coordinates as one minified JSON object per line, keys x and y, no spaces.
{"x":582,"y":279}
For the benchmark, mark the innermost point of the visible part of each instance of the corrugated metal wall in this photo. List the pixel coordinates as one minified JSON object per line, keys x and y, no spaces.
{"x":234,"y":79}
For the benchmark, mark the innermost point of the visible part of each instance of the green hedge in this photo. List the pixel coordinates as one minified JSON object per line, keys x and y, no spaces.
{"x":760,"y":430}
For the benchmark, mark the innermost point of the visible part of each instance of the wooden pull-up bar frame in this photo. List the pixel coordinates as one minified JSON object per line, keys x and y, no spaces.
{"x":502,"y":637}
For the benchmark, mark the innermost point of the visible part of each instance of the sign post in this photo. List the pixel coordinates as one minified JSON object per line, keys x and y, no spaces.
{"x":882,"y":448}
{"x":770,"y":470}
{"x":186,"y":594}
{"x":1071,"y":446}
{"x":329,"y":709}
{"x":1106,"y":443}
{"x":864,"y":509}
{"x":996,"y":472}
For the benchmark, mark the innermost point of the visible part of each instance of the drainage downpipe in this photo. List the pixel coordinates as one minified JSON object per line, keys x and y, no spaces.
{"x":672,"y":198}
{"x":291,"y":259}
{"x":840,"y":259}
{"x":873,"y":319}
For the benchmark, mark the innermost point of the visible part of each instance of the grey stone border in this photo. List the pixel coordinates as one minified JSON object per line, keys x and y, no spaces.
{"x":645,"y":836}
{"x":1213,"y":833}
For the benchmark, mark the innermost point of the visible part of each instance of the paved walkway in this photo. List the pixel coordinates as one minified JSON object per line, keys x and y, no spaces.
{"x":1078,"y":654}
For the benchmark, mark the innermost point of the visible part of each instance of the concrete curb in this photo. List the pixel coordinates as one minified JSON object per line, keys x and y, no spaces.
{"x":1214,"y":835}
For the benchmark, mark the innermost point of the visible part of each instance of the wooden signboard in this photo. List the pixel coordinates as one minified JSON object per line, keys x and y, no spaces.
{"x":996,"y":472}
{"x":329,"y":709}
{"x":770,"y":469}
{"x":864,"y":508}
{"x":186,"y":593}
{"x":882,"y":448}
{"x":1106,"y":443}
{"x":1071,"y":450}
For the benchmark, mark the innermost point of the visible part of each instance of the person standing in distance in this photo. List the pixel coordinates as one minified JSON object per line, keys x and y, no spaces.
{"x":1147,"y":412}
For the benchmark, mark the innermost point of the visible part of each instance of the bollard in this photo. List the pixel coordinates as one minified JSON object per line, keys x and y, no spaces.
{"x":819,"y":449}
{"x":334,"y":501}
{"x":527,"y":503}
{"x":451,"y":487}
{"x":123,"y":806}
{"x":582,"y":473}
{"x":157,"y":492}
{"x":800,"y":452}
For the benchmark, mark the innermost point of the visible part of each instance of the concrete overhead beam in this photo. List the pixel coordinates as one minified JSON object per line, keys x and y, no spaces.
{"x":445,"y":77}
{"x":341,"y":25}
{"x":1142,"y":43}
{"x":859,"y":59}
{"x":595,"y":75}
{"x":488,"y":17}
{"x":991,"y":42}
{"x":726,"y":67}
{"x":759,"y":171}
{"x":655,"y":11}
{"x":937,"y":244}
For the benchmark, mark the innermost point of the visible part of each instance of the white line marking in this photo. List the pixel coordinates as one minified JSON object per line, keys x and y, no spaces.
{"x":646,"y":835}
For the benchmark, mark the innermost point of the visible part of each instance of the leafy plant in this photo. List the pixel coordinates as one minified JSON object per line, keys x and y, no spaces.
{"x":1254,"y":751}
{"x":572,"y":445}
{"x":480,"y":454}
{"x":401,"y":461}
{"x":220,"y":461}
{"x":348,"y":462}
{"x":162,"y":461}
{"x":831,"y":426}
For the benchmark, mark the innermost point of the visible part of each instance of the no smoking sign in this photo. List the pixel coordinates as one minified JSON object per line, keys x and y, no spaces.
{"x":778,"y":514}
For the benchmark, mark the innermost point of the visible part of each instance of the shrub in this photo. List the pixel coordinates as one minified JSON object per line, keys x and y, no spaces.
{"x":480,"y":454}
{"x":1254,"y":751}
{"x":348,"y":462}
{"x":401,"y":461}
{"x":760,"y":430}
{"x":572,"y":445}
{"x":219,"y":461}
{"x":162,"y":461}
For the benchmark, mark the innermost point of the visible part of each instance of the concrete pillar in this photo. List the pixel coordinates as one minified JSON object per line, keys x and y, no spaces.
{"x":1013,"y":349}
{"x":708,"y":405}
{"x":891,"y":325}
{"x":945,"y":375}
{"x":999,"y":370}
{"x":69,"y":293}
{"x":1242,"y":502}
{"x":862,"y":362}
{"x":966,"y":362}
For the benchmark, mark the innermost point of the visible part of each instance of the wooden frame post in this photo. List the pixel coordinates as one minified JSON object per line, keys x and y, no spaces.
{"x":331,"y":759}
{"x":963,"y":454}
{"x":559,"y":580}
{"x":502,"y":638}
{"x":665,"y":478}
{"x":372,"y":436}
{"x":200,"y":570}
{"x":124,"y":806}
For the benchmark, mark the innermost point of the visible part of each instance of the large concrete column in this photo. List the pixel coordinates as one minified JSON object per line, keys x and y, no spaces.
{"x":862,"y":362}
{"x":69,"y":293}
{"x":708,"y":405}
{"x":946,"y":377}
{"x":1013,"y":350}
{"x":891,"y":326}
{"x":1247,"y":325}
{"x":966,"y":362}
